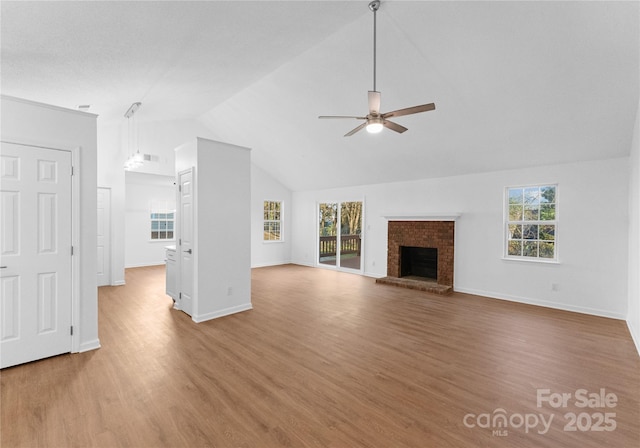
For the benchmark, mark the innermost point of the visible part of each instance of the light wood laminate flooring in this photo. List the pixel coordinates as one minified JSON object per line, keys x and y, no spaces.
{"x":327,"y":359}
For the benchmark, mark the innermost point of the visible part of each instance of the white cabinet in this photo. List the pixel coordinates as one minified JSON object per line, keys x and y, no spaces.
{"x":171,"y":273}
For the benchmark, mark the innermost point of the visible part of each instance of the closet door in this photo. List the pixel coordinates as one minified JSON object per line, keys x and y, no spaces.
{"x":185,"y":247}
{"x":35,"y":250}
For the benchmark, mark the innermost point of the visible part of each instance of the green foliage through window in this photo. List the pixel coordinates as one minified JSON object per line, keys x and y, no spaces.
{"x":272,"y":221}
{"x":532,"y":222}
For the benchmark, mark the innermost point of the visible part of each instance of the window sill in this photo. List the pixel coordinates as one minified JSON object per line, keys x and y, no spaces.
{"x":272,"y":241}
{"x":531,"y":260}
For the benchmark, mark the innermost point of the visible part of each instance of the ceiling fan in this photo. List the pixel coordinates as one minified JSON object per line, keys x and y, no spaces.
{"x":374,"y":120}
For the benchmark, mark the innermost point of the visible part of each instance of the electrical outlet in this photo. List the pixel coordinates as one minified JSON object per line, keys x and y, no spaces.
{"x":229,"y":291}
{"x":555,"y":287}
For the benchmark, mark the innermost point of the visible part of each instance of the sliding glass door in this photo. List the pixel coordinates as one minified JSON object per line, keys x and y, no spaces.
{"x":327,"y":232}
{"x":340,"y":234}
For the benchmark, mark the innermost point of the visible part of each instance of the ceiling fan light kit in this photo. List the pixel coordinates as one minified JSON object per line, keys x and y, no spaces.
{"x":374,"y":120}
{"x":374,"y":125}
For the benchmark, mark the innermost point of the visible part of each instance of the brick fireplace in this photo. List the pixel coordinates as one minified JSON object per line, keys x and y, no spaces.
{"x":438,"y":235}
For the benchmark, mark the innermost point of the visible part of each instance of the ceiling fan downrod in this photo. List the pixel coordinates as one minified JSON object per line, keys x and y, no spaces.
{"x":374,"y":6}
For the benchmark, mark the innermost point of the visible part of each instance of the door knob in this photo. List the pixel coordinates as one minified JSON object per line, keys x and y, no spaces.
{"x":188,"y":251}
{"x":3,"y":267}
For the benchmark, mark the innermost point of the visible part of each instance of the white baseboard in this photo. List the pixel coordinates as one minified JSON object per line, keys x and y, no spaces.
{"x":144,"y":265}
{"x":304,"y":263}
{"x":221,"y":313}
{"x":313,"y":265}
{"x":118,"y":283}
{"x":89,"y":345}
{"x":543,"y":303}
{"x":267,"y":264}
{"x":635,"y":335}
{"x":526,"y":300}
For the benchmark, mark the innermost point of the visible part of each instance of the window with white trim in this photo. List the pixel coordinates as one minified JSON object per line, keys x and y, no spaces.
{"x":272,"y":221}
{"x":532,"y":222}
{"x":162,"y":222}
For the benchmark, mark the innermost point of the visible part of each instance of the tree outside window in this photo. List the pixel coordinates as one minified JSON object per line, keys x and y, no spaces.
{"x":272,"y":221}
{"x":532,"y":222}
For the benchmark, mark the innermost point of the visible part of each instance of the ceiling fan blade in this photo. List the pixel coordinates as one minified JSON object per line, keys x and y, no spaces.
{"x":350,"y":133}
{"x":393,"y":126}
{"x":409,"y":110}
{"x":342,"y":116}
{"x":374,"y":102}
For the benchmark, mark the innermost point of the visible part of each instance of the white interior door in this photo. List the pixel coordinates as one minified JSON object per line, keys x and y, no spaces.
{"x":35,"y":253}
{"x":104,"y":236}
{"x":185,"y":245}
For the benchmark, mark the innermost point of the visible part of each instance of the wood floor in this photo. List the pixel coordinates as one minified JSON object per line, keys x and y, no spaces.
{"x":327,"y":359}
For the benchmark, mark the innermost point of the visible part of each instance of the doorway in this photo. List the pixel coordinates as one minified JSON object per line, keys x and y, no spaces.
{"x":340,"y":235}
{"x":104,"y":236}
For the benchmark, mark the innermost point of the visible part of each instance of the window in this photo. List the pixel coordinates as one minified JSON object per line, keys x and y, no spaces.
{"x":162,"y":223}
{"x":272,"y":221}
{"x":532,"y":222}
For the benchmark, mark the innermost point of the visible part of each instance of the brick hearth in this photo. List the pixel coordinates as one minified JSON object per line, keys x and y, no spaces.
{"x":435,"y":234}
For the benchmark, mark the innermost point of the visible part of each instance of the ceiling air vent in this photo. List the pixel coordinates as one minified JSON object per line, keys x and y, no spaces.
{"x":151,"y":158}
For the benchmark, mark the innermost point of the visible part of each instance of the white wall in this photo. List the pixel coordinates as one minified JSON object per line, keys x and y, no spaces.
{"x":38,"y":124}
{"x":111,"y":157}
{"x":222,"y":226}
{"x":265,"y":188}
{"x":633,"y":317}
{"x":593,"y":252}
{"x":142,"y":191}
{"x":160,"y":138}
{"x":157,"y":138}
{"x":143,"y":188}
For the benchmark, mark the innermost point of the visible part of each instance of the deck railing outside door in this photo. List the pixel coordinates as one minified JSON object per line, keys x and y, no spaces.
{"x":349,"y":244}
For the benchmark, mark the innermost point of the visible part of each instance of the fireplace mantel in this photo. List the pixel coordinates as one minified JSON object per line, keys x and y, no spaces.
{"x":422,"y":216}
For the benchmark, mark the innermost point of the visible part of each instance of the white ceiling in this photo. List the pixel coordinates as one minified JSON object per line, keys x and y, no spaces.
{"x":515,"y":83}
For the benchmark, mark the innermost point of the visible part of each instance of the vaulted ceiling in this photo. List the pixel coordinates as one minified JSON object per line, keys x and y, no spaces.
{"x":515,"y":83}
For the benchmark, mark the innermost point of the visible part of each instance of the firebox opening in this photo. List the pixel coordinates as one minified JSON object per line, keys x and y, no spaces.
{"x":419,"y":262}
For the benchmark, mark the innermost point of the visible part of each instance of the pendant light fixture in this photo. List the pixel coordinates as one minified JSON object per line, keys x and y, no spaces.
{"x":134,"y":159}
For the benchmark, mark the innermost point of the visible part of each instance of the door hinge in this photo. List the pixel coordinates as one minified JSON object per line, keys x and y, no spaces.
{"x":72,"y":171}
{"x":179,"y":241}
{"x":71,"y":330}
{"x":179,"y":295}
{"x":71,"y":250}
{"x":180,"y":188}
